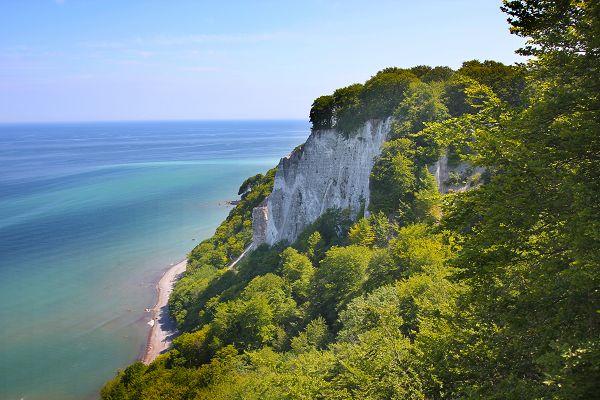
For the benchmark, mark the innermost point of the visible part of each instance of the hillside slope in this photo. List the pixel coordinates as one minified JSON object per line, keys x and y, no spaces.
{"x":429,"y":290}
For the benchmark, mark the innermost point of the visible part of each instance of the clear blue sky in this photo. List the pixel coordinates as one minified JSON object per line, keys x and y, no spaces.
{"x":82,"y":60}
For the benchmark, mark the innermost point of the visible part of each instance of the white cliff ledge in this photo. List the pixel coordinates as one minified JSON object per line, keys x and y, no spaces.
{"x":328,"y":171}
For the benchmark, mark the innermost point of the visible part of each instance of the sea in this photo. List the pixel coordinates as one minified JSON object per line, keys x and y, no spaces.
{"x":91,"y":215}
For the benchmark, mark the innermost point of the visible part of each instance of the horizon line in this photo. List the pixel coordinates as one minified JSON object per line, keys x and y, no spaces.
{"x":149,"y":120}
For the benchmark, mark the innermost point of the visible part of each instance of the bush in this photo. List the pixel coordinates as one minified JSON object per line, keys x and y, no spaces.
{"x":347,"y":111}
{"x":384,"y":91}
{"x":321,"y":112}
{"x":314,"y":337}
{"x":338,"y":279}
{"x":297,"y":271}
{"x":361,"y":233}
{"x":507,"y":81}
{"x":393,"y":181}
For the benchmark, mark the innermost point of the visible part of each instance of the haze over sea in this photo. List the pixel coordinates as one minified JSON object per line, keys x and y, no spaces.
{"x":91,"y":214}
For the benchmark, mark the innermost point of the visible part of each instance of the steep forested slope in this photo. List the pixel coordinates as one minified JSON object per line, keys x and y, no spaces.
{"x":486,"y":293}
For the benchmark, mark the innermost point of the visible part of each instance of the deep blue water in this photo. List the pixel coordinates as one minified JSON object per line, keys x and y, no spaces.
{"x":90,"y":216}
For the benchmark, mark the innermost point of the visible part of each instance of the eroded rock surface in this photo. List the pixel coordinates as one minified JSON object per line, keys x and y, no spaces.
{"x":328,"y":171}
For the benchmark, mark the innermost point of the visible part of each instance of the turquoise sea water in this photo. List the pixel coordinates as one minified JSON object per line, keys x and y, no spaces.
{"x":90,"y":216}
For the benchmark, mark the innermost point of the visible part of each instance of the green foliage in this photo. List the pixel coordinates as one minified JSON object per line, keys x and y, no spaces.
{"x":531,"y":252}
{"x":427,"y":204}
{"x":428,"y":74}
{"x":276,"y":291}
{"x":422,"y":105}
{"x":437,"y":74}
{"x":245,"y":324}
{"x":420,"y":249}
{"x":347,"y":112}
{"x":235,"y":233}
{"x":415,"y":250}
{"x":330,"y":229}
{"x":400,"y":186}
{"x":298,"y":271}
{"x":490,"y":293}
{"x":392,"y":177}
{"x":420,"y":70}
{"x":416,"y":96}
{"x":249,"y":183}
{"x":314,"y":337}
{"x":349,"y":107}
{"x":507,"y":81}
{"x":338,"y":279}
{"x":381,"y":365}
{"x":321,"y":112}
{"x":383,"y":228}
{"x":361,"y":233}
{"x":422,"y":298}
{"x":189,"y":288}
{"x":203,"y":278}
{"x":454,"y":95}
{"x":378,"y":309}
{"x":315,"y":246}
{"x":261,"y":261}
{"x":193,"y":348}
{"x":384,"y":91}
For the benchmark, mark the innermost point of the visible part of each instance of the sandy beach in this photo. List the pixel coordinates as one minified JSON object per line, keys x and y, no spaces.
{"x":162,"y":328}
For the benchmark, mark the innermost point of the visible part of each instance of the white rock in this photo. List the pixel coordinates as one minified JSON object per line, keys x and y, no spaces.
{"x":332,"y":171}
{"x":328,"y":171}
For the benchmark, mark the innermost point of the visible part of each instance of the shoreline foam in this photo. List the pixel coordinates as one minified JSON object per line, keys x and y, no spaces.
{"x":163,"y":328}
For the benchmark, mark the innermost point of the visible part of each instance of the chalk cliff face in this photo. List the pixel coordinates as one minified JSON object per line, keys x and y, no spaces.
{"x":328,"y":171}
{"x":332,"y":171}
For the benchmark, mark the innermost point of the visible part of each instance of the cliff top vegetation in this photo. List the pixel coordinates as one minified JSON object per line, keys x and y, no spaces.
{"x":490,"y":293}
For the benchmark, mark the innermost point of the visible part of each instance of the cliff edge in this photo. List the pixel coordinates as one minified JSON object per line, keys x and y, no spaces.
{"x":331,"y":170}
{"x":328,"y":171}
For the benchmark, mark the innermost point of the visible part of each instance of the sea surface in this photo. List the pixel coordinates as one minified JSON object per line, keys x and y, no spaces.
{"x":91,"y":215}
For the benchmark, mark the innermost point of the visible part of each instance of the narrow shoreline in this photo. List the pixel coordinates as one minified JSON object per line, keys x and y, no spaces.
{"x":163,"y":327}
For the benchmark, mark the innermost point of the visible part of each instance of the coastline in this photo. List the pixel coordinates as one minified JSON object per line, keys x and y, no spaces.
{"x":162,"y":329}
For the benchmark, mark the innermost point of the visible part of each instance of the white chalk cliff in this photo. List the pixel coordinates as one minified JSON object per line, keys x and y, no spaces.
{"x":328,"y":171}
{"x":332,"y":171}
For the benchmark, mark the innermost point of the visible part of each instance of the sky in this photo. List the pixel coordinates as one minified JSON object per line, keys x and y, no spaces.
{"x":84,"y":60}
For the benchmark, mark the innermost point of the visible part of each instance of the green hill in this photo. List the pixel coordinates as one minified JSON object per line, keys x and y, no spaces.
{"x":491,"y":292}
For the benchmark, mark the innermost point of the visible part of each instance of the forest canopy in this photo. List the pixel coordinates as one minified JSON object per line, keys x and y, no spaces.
{"x":385,"y":93}
{"x":486,"y":293}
